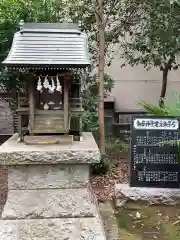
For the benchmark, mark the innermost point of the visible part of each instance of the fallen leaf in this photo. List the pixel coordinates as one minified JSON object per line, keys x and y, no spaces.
{"x":138,"y":215}
{"x":175,"y":223}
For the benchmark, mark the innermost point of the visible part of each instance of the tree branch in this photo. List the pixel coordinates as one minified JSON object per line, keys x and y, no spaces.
{"x":96,"y":8}
{"x":111,"y":8}
{"x":118,"y":27}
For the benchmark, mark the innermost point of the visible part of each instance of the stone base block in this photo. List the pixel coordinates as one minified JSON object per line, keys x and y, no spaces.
{"x":124,"y":193}
{"x":51,"y":229}
{"x":48,"y":176}
{"x":14,"y":153}
{"x":51,"y":203}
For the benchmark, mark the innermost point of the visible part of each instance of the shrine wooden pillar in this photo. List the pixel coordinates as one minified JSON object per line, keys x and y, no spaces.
{"x":66,"y":105}
{"x":31,"y":90}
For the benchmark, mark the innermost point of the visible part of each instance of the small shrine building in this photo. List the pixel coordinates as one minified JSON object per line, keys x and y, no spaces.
{"x":49,"y":102}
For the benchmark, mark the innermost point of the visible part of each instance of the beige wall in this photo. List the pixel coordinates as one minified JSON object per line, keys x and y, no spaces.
{"x":134,"y":84}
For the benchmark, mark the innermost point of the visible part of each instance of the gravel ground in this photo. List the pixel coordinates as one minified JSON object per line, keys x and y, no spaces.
{"x":3,"y":187}
{"x":103,"y":185}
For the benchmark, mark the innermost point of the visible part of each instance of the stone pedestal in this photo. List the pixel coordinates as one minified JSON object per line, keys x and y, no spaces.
{"x":166,"y":196}
{"x":49,"y":193}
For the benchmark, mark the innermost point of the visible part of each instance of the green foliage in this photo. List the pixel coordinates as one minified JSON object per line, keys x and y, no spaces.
{"x":116,"y":145}
{"x":11,"y":12}
{"x":102,"y":167}
{"x":152,"y":39}
{"x":150,"y":31}
{"x":172,"y":143}
{"x":171,"y":106}
{"x":90,"y":99}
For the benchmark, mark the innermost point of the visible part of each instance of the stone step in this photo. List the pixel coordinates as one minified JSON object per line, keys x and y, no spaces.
{"x":48,"y":176}
{"x":51,"y":229}
{"x":49,"y":203}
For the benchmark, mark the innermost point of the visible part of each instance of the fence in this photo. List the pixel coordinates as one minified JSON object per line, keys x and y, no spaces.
{"x":118,"y":122}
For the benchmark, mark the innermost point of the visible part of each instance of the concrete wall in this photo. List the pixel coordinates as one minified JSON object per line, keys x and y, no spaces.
{"x":134,"y":84}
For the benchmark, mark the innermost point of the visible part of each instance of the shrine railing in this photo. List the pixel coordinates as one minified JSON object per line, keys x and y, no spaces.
{"x":75,"y":103}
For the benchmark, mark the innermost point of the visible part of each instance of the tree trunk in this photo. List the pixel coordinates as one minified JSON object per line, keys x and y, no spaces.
{"x":164,"y":86}
{"x":101,"y":25}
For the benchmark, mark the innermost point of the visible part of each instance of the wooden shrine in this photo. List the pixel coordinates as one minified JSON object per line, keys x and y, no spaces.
{"x":49,"y":103}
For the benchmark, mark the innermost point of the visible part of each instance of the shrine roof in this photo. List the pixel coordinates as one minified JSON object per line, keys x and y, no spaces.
{"x":53,"y":45}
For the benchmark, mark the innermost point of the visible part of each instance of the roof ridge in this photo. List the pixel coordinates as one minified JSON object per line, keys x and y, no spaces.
{"x":50,"y":27}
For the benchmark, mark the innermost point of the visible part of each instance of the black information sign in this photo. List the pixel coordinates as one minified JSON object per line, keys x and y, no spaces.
{"x":152,"y":164}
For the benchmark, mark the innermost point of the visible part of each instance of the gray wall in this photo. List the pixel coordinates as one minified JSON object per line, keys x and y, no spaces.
{"x":135,"y":84}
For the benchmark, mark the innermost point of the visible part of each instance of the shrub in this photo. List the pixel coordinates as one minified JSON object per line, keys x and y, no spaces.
{"x":113,"y":146}
{"x":102,"y":167}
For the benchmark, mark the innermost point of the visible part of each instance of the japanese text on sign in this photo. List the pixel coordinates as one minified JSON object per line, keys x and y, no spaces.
{"x":164,"y":124}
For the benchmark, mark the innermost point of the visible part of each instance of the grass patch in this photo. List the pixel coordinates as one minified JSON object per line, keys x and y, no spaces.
{"x":149,"y":222}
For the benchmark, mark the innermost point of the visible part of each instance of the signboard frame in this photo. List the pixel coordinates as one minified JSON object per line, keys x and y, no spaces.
{"x":148,"y":168}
